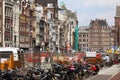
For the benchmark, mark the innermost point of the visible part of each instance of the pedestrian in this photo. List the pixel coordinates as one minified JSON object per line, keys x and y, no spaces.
{"x":119,"y":58}
{"x":104,"y":60}
{"x":107,"y":61}
{"x":94,"y":69}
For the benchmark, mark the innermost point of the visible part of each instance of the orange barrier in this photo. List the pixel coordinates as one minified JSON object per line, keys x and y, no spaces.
{"x":4,"y":65}
{"x":10,"y":64}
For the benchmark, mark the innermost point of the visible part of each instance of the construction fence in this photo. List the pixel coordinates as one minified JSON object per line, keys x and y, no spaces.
{"x":34,"y":59}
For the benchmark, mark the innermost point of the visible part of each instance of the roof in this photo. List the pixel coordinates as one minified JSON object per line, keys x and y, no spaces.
{"x":100,"y":22}
{"x":9,"y":49}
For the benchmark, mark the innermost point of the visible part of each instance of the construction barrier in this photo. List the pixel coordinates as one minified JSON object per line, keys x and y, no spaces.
{"x":10,"y":64}
{"x":31,"y":59}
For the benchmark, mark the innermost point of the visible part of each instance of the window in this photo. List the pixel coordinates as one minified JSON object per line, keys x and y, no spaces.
{"x":95,"y":43}
{"x":0,"y":10}
{"x":80,"y":40}
{"x":96,"y":35}
{"x":8,"y":12}
{"x":103,"y":30}
{"x":80,"y":36}
{"x":27,"y":39}
{"x":27,"y":30}
{"x":84,"y":35}
{"x":0,"y":38}
{"x":5,"y":54}
{"x":84,"y":40}
{"x":0,"y":23}
{"x":87,"y":40}
{"x":87,"y":35}
{"x":84,"y":45}
{"x":87,"y":45}
{"x":20,"y":38}
{"x":7,"y":38}
{"x":5,"y":11}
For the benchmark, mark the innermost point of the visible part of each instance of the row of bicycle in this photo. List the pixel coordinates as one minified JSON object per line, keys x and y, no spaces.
{"x":73,"y":71}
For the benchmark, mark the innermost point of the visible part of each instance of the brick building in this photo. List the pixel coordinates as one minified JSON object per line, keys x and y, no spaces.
{"x":117,"y":26}
{"x":100,"y":35}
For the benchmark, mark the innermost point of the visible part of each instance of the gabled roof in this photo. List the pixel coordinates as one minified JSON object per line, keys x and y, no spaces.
{"x":99,"y":22}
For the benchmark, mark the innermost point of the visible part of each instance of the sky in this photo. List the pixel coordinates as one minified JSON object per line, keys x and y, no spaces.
{"x":88,"y":10}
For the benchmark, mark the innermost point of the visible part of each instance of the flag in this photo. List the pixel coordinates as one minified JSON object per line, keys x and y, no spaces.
{"x":62,"y":3}
{"x":76,"y":38}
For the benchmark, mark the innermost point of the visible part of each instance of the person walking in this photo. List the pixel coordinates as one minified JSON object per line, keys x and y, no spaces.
{"x":107,"y":61}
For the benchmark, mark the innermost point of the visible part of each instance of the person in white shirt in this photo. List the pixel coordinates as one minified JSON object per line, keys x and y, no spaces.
{"x":107,"y":61}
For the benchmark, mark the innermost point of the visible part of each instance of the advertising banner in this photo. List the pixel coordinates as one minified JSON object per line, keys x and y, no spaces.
{"x":91,"y":54}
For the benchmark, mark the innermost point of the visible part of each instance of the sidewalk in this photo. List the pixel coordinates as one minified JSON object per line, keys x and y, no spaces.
{"x":116,"y":77}
{"x":110,"y":73}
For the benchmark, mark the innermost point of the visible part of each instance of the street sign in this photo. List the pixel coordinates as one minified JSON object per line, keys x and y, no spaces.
{"x":91,"y":54}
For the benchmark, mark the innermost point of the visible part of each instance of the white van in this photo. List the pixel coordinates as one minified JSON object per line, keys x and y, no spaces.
{"x":5,"y":53}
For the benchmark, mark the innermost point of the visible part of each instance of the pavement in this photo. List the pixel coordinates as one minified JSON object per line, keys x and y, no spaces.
{"x":109,"y":73}
{"x":116,"y":77}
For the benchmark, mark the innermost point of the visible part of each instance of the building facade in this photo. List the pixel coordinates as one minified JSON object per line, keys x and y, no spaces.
{"x":1,"y":24}
{"x":16,"y":13}
{"x":24,"y":26}
{"x":83,"y":39}
{"x":68,"y":22}
{"x":99,"y":37}
{"x":7,"y":20}
{"x":34,"y":25}
{"x":50,"y":13}
{"x":117,"y":26}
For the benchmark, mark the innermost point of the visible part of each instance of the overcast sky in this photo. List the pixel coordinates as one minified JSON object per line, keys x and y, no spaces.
{"x":91,"y":9}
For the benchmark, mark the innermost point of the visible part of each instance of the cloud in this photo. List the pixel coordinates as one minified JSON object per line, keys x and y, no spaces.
{"x":109,"y":16}
{"x":84,"y":18}
{"x":91,"y":9}
{"x":98,"y":3}
{"x":90,"y":3}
